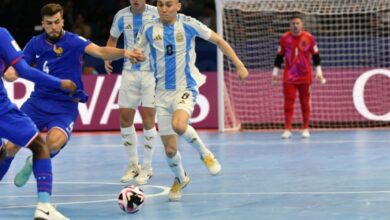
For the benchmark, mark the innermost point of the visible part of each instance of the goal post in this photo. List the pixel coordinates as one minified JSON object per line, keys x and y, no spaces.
{"x":353,"y":37}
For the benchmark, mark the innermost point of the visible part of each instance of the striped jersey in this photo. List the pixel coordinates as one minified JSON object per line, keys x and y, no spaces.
{"x":129,"y":24}
{"x":172,"y":48}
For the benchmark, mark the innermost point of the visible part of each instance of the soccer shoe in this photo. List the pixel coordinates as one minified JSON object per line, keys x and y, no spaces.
{"x":131,"y":172}
{"x":305,"y":133}
{"x":211,"y":163}
{"x":175,"y":192}
{"x":46,"y":211}
{"x":144,"y":175}
{"x":286,"y":134}
{"x":22,"y":177}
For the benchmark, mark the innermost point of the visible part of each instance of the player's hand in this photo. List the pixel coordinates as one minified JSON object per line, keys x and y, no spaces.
{"x":68,"y":85}
{"x":135,"y":56}
{"x":10,"y":75}
{"x":242,"y":74}
{"x":321,"y":79}
{"x":108,"y":67}
{"x":274,"y":80}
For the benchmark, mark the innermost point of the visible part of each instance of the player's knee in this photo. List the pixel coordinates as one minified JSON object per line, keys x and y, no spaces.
{"x":170,"y":151}
{"x":126,"y":122}
{"x":11,"y":149}
{"x":179,"y":127}
{"x":55,"y":145}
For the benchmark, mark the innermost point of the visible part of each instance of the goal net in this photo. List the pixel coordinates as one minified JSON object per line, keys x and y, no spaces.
{"x":353,"y":37}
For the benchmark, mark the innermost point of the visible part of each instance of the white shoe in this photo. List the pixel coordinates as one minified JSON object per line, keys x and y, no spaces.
{"x":46,"y":211}
{"x":211,"y":163}
{"x":175,"y":192}
{"x":305,"y":133}
{"x":144,"y":175}
{"x":286,"y":134}
{"x":131,"y":172}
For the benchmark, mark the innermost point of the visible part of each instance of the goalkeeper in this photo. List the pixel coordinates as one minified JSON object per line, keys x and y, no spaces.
{"x":296,"y":47}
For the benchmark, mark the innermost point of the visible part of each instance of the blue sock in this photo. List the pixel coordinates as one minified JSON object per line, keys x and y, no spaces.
{"x":43,"y":175}
{"x":4,"y":166}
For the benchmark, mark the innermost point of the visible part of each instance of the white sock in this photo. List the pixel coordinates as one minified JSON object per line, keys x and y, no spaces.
{"x":129,"y":139}
{"x":176,"y":165}
{"x":149,"y":137}
{"x":192,"y":137}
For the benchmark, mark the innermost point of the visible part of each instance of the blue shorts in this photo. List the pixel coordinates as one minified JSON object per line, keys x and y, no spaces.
{"x":17,"y":127}
{"x":46,"y":120}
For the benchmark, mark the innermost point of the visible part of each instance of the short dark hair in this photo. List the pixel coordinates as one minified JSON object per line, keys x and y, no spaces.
{"x":296,"y":17}
{"x":51,"y":9}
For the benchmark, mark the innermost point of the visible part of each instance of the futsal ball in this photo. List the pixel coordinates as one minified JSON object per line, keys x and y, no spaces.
{"x":131,"y":199}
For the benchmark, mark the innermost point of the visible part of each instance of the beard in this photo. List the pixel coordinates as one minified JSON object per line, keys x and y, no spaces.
{"x":53,"y":39}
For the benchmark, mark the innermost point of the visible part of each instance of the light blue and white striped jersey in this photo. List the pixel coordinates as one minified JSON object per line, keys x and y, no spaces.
{"x":172,"y":48}
{"x":129,"y":24}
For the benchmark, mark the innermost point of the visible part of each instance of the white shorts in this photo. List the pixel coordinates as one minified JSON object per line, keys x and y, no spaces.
{"x":167,"y":102}
{"x":137,"y":88}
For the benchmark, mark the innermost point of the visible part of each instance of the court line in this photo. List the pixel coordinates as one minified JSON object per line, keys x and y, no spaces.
{"x":257,"y":143}
{"x":164,"y":192}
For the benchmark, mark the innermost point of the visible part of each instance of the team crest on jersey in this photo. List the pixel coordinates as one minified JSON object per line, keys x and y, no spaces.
{"x":179,"y":37}
{"x":58,"y":50}
{"x":129,"y":27}
{"x":158,"y":37}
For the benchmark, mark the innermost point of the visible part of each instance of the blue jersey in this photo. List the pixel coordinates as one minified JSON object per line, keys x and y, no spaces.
{"x":129,"y":24}
{"x":62,"y":59}
{"x":172,"y":48}
{"x":10,"y":53}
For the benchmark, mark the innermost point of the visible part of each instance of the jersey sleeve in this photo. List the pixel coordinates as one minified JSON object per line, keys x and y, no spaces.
{"x":81,"y":43}
{"x":29,"y":52}
{"x":9,"y":49}
{"x":201,"y":30}
{"x":281,"y":49}
{"x":314,"y":49}
{"x":116,"y":28}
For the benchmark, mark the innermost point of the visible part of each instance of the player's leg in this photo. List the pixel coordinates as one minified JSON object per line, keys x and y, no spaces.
{"x":180,"y":123}
{"x":28,"y":136}
{"x":148,"y":114}
{"x":128,"y":99}
{"x":7,"y":153}
{"x":43,"y":174}
{"x":164,"y":111}
{"x":289,"y":92}
{"x":304,"y":98}
{"x":59,"y":128}
{"x":150,"y":133}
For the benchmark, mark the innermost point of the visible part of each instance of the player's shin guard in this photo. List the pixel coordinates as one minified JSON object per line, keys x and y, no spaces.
{"x":43,"y":175}
{"x":129,"y":139}
{"x":176,"y":165}
{"x":192,"y":137}
{"x":149,"y":137}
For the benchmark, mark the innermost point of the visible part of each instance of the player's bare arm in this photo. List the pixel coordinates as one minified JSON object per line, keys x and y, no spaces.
{"x":229,"y":52}
{"x":111,"y":42}
{"x":104,"y":53}
{"x":10,"y":74}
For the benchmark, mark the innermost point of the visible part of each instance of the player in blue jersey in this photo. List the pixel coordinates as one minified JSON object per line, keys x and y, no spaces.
{"x":137,"y":87}
{"x":171,"y":39}
{"x":59,"y":53}
{"x":20,"y":129}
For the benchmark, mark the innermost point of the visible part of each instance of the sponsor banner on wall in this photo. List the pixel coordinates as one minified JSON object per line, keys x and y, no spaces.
{"x":102,"y":110}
